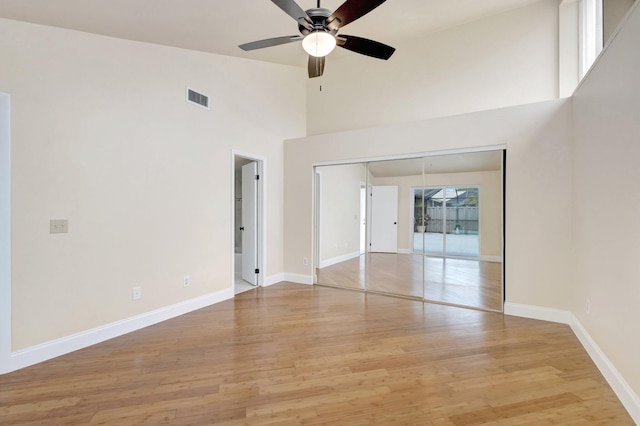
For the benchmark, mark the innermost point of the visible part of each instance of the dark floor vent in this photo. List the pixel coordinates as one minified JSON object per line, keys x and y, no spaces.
{"x":197,"y":98}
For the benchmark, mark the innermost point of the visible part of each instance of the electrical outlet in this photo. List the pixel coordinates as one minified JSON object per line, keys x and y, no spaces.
{"x":305,"y":261}
{"x":186,"y":281}
{"x":58,"y":226}
{"x":587,"y":306}
{"x":136,"y":293}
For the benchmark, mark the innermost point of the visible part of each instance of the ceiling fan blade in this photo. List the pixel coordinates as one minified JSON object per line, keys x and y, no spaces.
{"x":365,"y":46}
{"x":316,"y":66}
{"x":351,"y":10}
{"x":260,"y":44}
{"x":292,"y":9}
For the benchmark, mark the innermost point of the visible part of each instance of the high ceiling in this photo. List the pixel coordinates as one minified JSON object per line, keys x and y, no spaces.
{"x":219,"y":26}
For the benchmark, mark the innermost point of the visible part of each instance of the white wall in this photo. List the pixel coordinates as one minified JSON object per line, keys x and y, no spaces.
{"x":538,"y":142}
{"x":568,"y":42}
{"x":102,"y":136}
{"x":340,"y":210}
{"x":606,"y":236}
{"x":501,"y":60}
{"x":613,"y":12}
{"x":5,"y":226}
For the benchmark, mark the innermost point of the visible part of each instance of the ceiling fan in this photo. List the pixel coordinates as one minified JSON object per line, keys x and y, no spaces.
{"x":319,"y":32}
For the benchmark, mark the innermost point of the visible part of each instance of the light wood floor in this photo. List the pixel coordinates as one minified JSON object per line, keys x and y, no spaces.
{"x":463,"y":282}
{"x":292,"y":354}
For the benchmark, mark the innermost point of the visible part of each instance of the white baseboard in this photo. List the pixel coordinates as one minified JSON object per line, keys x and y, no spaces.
{"x":54,"y":348}
{"x":273,"y":279}
{"x":339,"y":259}
{"x":537,"y":312}
{"x":298,"y":278}
{"x":404,"y":251}
{"x":627,"y":396}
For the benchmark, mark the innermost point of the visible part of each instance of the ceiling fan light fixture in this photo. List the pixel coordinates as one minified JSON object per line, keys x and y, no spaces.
{"x":319,"y":43}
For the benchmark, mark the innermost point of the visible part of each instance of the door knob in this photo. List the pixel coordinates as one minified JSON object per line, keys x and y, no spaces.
{"x":242,"y":228}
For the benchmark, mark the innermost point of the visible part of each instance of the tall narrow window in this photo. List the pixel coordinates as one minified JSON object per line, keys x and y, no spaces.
{"x":590,"y":33}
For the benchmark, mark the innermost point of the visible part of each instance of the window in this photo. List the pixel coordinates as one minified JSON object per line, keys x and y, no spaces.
{"x":590,"y":25}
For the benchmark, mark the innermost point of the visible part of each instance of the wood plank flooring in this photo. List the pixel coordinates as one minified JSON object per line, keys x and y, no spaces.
{"x":292,"y":354}
{"x":461,"y":282}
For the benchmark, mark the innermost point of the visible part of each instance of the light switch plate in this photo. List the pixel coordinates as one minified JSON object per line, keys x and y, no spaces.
{"x":58,"y":226}
{"x":136,"y":293}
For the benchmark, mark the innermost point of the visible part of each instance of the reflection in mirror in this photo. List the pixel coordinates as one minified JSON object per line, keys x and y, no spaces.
{"x":426,"y":228}
{"x":340,"y":233}
{"x":451,"y":219}
{"x":462,"y":195}
{"x":393,"y":265}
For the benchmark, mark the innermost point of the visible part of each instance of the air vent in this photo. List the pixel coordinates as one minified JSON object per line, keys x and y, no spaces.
{"x":196,"y":98}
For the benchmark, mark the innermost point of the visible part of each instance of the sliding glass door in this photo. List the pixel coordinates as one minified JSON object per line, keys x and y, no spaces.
{"x":451,"y":221}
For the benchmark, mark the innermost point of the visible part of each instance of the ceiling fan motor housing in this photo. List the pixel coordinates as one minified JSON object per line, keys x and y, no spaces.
{"x":319,"y":18}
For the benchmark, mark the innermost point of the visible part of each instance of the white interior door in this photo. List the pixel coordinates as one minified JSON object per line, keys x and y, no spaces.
{"x":249,"y":223}
{"x":384,"y":219}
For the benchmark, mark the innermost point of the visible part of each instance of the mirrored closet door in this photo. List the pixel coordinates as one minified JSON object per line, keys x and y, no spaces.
{"x":340,"y":197}
{"x":391,"y":264}
{"x":427,"y":228}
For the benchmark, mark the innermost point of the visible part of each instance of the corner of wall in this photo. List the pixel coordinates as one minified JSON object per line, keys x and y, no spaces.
{"x":625,"y":393}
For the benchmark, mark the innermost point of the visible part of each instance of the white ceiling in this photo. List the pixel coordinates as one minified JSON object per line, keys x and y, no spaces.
{"x":219,"y":26}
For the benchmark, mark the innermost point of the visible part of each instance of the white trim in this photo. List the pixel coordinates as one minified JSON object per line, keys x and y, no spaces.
{"x":298,"y":278}
{"x":499,"y":147}
{"x":316,"y":204}
{"x":404,"y":251}
{"x":273,"y":279}
{"x":262,"y":213}
{"x":5,"y":233}
{"x":497,"y":259}
{"x":627,"y":396}
{"x":42,"y":352}
{"x":339,"y":259}
{"x":537,"y":312}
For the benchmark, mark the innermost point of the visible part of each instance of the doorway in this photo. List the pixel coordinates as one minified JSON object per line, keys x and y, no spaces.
{"x":248,"y":255}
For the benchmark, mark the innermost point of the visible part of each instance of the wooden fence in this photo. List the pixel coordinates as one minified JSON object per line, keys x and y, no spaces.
{"x":460,"y":220}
